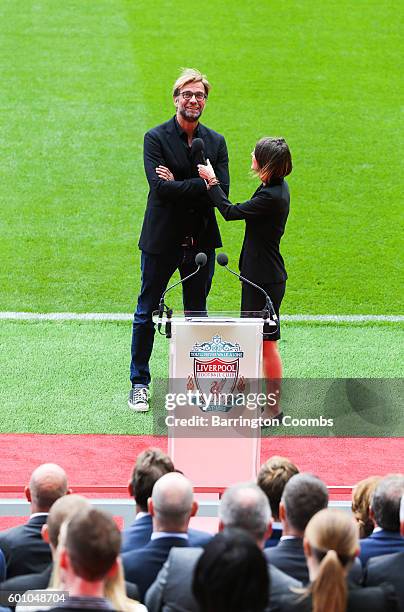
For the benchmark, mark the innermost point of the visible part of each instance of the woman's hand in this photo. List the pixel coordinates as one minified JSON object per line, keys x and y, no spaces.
{"x":164,"y":173}
{"x":206,"y":172}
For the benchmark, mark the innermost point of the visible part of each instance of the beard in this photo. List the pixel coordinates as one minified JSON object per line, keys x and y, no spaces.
{"x":191,"y":117}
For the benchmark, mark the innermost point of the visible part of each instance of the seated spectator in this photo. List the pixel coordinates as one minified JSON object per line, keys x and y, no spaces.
{"x":24,"y":549}
{"x":242,"y":506}
{"x":150,"y":465}
{"x":385,"y":513}
{"x":303,"y":496}
{"x":272,"y":478}
{"x":330,"y":545}
{"x":63,"y":508}
{"x":171,"y":506}
{"x":88,"y":555}
{"x":361,"y":498}
{"x":231,"y":574}
{"x":388,"y":568}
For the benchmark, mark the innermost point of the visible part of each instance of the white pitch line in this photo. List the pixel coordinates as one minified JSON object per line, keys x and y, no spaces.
{"x":122,"y":316}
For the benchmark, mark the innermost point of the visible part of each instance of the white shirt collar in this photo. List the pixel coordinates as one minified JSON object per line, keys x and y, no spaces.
{"x":167,"y":534}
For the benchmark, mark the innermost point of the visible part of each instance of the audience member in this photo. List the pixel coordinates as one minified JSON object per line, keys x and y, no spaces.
{"x":385,"y":513}
{"x":330,"y":545}
{"x":150,"y":465}
{"x":171,"y":506}
{"x":63,"y":508}
{"x":89,"y":547}
{"x":303,"y":496}
{"x":242,"y":506}
{"x":389,"y":568}
{"x":361,"y":498}
{"x":272,"y":478}
{"x":231,"y":574}
{"x":24,"y":549}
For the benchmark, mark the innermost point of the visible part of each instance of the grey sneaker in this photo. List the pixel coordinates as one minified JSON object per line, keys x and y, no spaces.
{"x":139,"y":399}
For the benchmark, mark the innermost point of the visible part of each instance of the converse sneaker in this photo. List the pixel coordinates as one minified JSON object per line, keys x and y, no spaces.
{"x":139,"y":399}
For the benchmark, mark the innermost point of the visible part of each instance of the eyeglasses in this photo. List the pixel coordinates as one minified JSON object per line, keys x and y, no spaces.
{"x":188,"y":95}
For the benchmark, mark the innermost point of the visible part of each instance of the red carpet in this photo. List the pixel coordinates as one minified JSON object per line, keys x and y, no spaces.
{"x":108,"y":460}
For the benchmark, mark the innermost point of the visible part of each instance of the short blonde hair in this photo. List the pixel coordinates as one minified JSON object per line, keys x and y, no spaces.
{"x":190,"y":75}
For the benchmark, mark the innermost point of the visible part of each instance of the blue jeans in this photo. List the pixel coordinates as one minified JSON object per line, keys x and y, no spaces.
{"x":156,"y":272}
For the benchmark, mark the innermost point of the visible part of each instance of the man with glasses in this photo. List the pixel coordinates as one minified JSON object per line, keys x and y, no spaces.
{"x":179,"y":221}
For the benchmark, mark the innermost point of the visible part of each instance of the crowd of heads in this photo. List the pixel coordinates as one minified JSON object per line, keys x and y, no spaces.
{"x":232,"y":571}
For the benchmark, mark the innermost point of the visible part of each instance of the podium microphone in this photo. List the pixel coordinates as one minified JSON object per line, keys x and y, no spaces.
{"x":223,"y":260}
{"x":200,"y":261}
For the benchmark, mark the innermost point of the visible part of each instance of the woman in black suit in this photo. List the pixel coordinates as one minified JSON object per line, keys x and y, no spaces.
{"x":331,"y":544}
{"x":265,"y":216}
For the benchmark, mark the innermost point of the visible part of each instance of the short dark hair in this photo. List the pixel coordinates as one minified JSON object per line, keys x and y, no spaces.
{"x":272,"y":478}
{"x":304,"y":495}
{"x":150,"y":465}
{"x":386,"y":502}
{"x":93,"y":542}
{"x":273,"y":158}
{"x":231,"y":574}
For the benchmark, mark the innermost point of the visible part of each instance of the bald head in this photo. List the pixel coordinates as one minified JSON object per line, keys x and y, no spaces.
{"x":48,"y":483}
{"x":172,"y":503}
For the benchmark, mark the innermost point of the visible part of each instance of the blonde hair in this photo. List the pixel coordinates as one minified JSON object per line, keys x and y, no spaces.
{"x":361,"y":498}
{"x":333,"y":538}
{"x":190,"y":75}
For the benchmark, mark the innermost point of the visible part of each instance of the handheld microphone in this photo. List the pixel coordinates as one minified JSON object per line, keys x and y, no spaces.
{"x":200,"y":261}
{"x":198,"y":151}
{"x":223,"y":260}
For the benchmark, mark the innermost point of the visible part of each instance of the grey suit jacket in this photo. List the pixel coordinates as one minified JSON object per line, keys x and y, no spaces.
{"x":387,"y":568}
{"x":172,"y":589}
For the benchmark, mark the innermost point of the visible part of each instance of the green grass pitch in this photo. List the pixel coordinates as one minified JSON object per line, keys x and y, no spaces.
{"x":81,"y":82}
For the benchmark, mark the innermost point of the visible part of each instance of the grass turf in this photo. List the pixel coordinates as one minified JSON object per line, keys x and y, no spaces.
{"x":82,"y":81}
{"x":71,"y":377}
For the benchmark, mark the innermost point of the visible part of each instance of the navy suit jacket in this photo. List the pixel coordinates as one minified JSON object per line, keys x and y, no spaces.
{"x":289,"y":557}
{"x":142,"y":566}
{"x":138,"y":534}
{"x":24,"y":549}
{"x":274,"y":539}
{"x":380,"y":543}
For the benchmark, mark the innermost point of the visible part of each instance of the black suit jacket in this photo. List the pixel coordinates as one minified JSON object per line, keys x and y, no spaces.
{"x":142,"y":566}
{"x":171,"y":203}
{"x":387,"y":568}
{"x":24,"y":549}
{"x":265,"y":215}
{"x":374,"y":599}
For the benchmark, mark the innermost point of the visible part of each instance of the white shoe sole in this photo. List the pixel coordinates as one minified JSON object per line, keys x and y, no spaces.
{"x":139,"y":407}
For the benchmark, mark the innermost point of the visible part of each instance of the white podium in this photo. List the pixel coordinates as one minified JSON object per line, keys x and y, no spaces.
{"x":215,"y":369}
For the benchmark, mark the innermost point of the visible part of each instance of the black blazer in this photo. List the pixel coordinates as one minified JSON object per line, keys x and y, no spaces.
{"x":265,"y":216}
{"x":170,"y":204}
{"x":24,"y":549}
{"x":372,"y":599}
{"x":387,"y":568}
